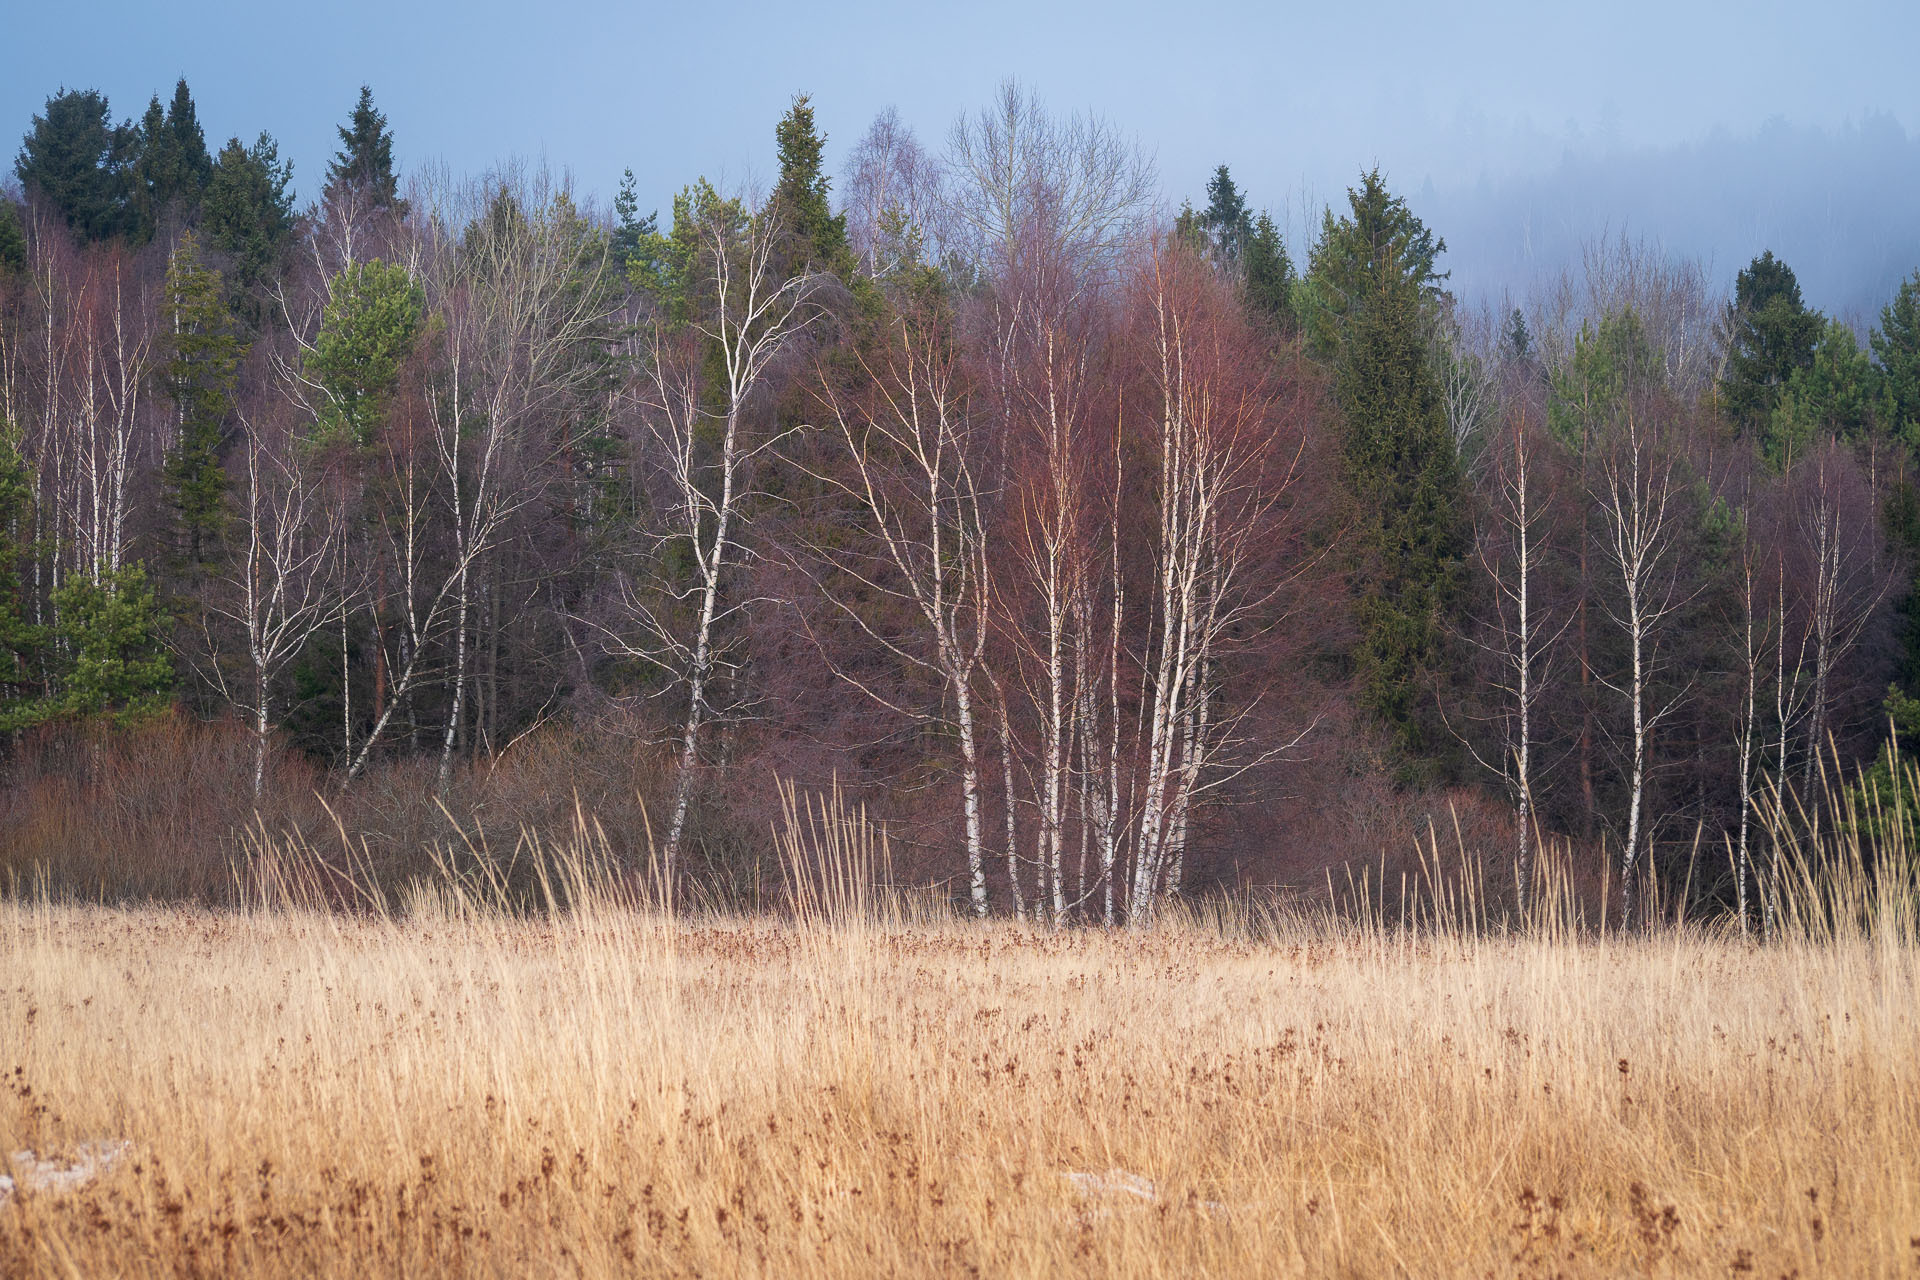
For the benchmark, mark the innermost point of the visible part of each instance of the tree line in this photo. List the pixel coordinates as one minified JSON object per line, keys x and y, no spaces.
{"x":1088,"y":538}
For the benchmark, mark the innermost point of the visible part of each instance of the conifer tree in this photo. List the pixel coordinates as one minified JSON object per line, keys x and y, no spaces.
{"x":173,"y":168}
{"x":1773,"y":334}
{"x":13,"y":239}
{"x":631,"y":231}
{"x":1269,"y":274}
{"x":1375,"y":285}
{"x":364,"y":163}
{"x":367,"y":330}
{"x":202,"y":362}
{"x":802,"y":194}
{"x":1228,"y":221}
{"x":111,"y":658}
{"x":248,"y":210}
{"x":77,"y":160}
{"x":22,"y":644}
{"x":1896,"y":350}
{"x":1378,"y":237}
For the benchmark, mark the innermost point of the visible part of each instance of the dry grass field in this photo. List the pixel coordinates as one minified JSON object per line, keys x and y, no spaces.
{"x":605,"y":1092}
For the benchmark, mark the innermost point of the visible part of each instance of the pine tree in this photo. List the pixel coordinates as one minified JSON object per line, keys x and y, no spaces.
{"x":631,"y":231}
{"x":173,"y":168}
{"x":77,"y":160}
{"x":112,"y":648}
{"x":367,"y":330}
{"x":1896,"y":350}
{"x":364,"y":164}
{"x":802,"y":194}
{"x":1269,"y":274}
{"x":201,"y":364}
{"x":1773,"y":334}
{"x":1831,"y":396}
{"x":248,"y":211}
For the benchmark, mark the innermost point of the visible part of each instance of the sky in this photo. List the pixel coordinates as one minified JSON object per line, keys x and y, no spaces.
{"x":1610,"y":117}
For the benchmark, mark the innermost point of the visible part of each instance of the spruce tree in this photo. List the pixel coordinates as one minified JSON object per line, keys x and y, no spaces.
{"x":173,"y":168}
{"x":1896,"y":351}
{"x":1773,"y":334}
{"x":13,"y":239}
{"x":1378,"y":236}
{"x":248,"y":210}
{"x":1376,"y":287}
{"x":201,"y":364}
{"x":1228,"y":221}
{"x":802,"y":194}
{"x":364,"y":164}
{"x":1268,"y":274}
{"x":77,"y":160}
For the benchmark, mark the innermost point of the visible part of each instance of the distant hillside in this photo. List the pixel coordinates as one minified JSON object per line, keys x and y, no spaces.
{"x":1842,"y":206}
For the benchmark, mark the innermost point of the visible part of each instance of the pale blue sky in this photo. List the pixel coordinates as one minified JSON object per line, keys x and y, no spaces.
{"x":1296,"y":98}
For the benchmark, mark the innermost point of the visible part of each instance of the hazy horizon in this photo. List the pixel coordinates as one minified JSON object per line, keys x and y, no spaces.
{"x":1714,"y":130}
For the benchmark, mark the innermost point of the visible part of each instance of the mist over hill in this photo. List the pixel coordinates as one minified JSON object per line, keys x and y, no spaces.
{"x":1839,"y":204}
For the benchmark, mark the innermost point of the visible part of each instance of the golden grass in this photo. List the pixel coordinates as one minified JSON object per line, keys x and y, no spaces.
{"x":606,"y":1092}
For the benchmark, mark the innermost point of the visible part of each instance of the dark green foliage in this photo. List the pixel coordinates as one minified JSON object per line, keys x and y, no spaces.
{"x":248,"y":210}
{"x":201,"y":362}
{"x":364,"y":164}
{"x":1611,"y":362}
{"x":1226,"y":219}
{"x":76,"y":159}
{"x":1268,"y":274}
{"x":1374,"y":284}
{"x":112,"y":658}
{"x":108,"y":656}
{"x":1379,"y":237}
{"x":22,"y":644}
{"x":1773,"y":334}
{"x":1831,"y":396}
{"x":802,"y":194}
{"x":172,"y":168}
{"x":372,"y":318}
{"x":1189,"y":232}
{"x":13,"y":239}
{"x":630,"y":231}
{"x":1518,"y":339}
{"x":1896,"y":350}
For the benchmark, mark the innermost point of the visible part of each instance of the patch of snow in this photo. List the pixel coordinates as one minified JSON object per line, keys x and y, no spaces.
{"x":1118,"y":1185}
{"x":89,"y":1161}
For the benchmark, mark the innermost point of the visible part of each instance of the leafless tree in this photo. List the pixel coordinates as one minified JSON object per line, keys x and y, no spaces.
{"x":1018,"y":180}
{"x":910,"y":473}
{"x":892,"y":196}
{"x":1641,"y":513}
{"x":277,"y":590}
{"x":747,"y":313}
{"x":1521,"y":634}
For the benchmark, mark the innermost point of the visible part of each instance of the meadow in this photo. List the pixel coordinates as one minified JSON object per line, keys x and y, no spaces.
{"x":612,"y":1088}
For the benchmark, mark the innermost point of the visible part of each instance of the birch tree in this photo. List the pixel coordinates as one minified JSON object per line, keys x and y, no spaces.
{"x":277,"y":589}
{"x":1521,"y":633}
{"x":1221,"y":490}
{"x":727,"y":317}
{"x":911,"y":475}
{"x":1641,"y":514}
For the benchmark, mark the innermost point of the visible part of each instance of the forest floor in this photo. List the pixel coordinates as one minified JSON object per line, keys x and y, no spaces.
{"x":306,"y":1094}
